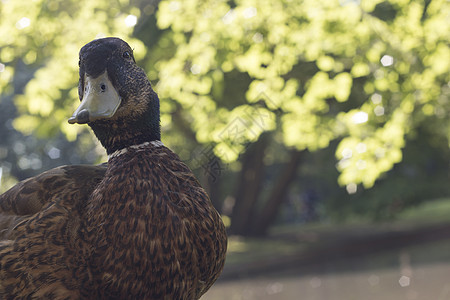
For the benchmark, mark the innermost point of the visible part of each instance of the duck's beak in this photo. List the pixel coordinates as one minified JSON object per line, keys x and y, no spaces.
{"x":100,"y":100}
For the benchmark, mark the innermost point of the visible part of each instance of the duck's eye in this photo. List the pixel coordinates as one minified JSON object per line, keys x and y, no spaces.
{"x":126,"y":55}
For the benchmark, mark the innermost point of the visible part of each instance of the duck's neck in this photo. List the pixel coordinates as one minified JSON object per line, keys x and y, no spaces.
{"x":122,"y":134}
{"x":139,"y":147}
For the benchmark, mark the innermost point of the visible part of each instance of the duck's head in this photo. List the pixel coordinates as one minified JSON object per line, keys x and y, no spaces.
{"x":117,"y":100}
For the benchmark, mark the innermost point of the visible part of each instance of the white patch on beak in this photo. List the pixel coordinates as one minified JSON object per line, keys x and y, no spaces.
{"x":100,"y":100}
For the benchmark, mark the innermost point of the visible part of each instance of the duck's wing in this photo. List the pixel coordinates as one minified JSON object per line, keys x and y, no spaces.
{"x":29,"y":196}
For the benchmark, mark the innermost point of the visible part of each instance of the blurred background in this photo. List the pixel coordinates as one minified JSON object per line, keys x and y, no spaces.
{"x":319,"y":128}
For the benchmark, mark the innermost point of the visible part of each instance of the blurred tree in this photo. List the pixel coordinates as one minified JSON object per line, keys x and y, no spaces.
{"x":46,"y":36}
{"x":423,"y":174}
{"x":367,"y":73}
{"x":400,"y":61}
{"x":364,"y":73}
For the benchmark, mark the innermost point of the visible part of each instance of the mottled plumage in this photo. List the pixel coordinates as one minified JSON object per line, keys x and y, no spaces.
{"x":140,"y":227}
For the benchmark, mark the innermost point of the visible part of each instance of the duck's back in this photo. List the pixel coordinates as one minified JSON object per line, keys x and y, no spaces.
{"x":39,"y":220}
{"x":155,"y":232}
{"x":70,"y":185}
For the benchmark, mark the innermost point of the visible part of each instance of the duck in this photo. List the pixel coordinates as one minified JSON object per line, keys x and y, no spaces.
{"x":137,"y":227}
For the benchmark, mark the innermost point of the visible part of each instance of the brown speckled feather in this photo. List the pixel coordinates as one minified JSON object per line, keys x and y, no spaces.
{"x":148,"y":231}
{"x":29,"y":196}
{"x":179,"y":237}
{"x":40,"y":218}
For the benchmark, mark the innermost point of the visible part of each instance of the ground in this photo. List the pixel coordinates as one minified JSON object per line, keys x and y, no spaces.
{"x":405,"y":259}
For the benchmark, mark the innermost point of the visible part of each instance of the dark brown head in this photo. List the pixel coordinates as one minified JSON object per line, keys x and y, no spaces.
{"x":117,"y":100}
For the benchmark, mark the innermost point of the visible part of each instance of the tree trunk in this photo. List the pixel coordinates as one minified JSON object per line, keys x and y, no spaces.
{"x":249,"y":186}
{"x":262,"y":223}
{"x":213,"y":189}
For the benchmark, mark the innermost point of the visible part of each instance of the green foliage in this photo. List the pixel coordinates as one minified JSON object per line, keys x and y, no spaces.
{"x":366,"y":73}
{"x":6,"y":180}
{"x":46,"y":36}
{"x":397,"y":51}
{"x":422,"y":176}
